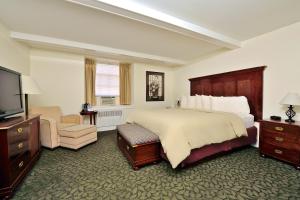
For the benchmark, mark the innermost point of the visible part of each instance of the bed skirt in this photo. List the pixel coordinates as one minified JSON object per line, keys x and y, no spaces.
{"x":212,"y":149}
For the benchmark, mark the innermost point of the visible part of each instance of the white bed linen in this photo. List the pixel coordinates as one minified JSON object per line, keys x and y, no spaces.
{"x":248,"y":119}
{"x":181,"y":130}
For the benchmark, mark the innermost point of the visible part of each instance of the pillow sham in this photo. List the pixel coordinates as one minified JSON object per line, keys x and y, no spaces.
{"x":183,"y":102}
{"x":198,"y":102}
{"x":191,"y":102}
{"x":218,"y":104}
{"x":237,"y":104}
{"x":206,"y":102}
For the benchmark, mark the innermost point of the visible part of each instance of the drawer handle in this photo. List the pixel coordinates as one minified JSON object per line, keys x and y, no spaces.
{"x":278,"y":128}
{"x":20,"y":145}
{"x":127,"y":147}
{"x":20,"y":130}
{"x":21,"y":164}
{"x":279,"y":139}
{"x":278,"y":151}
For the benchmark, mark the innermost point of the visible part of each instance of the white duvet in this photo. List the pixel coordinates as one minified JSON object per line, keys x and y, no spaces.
{"x":181,"y":130}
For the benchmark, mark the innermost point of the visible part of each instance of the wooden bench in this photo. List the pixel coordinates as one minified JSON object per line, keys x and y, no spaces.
{"x":139,"y":145}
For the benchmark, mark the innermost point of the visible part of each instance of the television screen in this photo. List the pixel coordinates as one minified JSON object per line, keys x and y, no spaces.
{"x":10,"y":92}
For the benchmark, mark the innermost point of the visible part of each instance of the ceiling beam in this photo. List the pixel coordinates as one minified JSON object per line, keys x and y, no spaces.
{"x":91,"y":47}
{"x":138,"y":12}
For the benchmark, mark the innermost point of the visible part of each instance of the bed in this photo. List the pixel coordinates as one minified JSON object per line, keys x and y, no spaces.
{"x":247,"y":83}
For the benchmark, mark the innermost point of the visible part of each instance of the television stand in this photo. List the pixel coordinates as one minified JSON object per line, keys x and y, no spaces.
{"x":10,"y":120}
{"x":20,"y":148}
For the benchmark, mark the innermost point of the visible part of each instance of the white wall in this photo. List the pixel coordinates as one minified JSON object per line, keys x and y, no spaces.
{"x":61,"y":79}
{"x":61,"y":75}
{"x":13,"y":55}
{"x":279,"y":50}
{"x":139,"y":86}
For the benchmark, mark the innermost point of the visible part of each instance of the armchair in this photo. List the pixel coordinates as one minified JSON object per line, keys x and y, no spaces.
{"x":52,"y":121}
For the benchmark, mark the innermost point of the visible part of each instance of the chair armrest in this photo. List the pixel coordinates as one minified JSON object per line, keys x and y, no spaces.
{"x":76,"y":119}
{"x":48,"y":119}
{"x":48,"y":132}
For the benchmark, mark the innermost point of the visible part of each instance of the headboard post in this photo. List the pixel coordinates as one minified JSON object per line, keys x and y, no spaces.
{"x":245,"y":82}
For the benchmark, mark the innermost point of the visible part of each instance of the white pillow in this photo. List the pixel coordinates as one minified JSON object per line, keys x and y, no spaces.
{"x":206,"y":102}
{"x":198,"y":102}
{"x":238,"y":104}
{"x":231,"y":104}
{"x":183,"y":102}
{"x":218,"y":104}
{"x":191,"y":102}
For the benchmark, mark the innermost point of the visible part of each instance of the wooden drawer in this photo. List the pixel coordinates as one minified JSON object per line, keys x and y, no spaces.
{"x":18,"y":133}
{"x":292,"y":156}
{"x":280,"y":128}
{"x":18,"y":165}
{"x":286,"y":140}
{"x":18,"y":148}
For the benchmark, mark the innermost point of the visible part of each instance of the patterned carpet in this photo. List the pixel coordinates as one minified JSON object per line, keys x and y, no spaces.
{"x":99,"y":171}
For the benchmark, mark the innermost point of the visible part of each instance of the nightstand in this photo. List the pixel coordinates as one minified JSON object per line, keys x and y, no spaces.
{"x":280,"y":140}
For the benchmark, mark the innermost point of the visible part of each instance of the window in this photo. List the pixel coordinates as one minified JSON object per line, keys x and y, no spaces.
{"x":107,"y":84}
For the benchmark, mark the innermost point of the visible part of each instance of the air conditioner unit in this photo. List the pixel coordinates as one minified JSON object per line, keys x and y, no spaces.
{"x":108,"y":100}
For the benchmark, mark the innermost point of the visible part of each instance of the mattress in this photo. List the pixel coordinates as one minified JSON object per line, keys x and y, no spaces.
{"x":248,"y":119}
{"x":212,"y":149}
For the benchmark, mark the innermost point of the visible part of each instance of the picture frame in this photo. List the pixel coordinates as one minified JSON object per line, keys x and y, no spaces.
{"x":155,"y":86}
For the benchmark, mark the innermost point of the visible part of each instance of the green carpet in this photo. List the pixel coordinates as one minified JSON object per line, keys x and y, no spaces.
{"x":100,"y":171}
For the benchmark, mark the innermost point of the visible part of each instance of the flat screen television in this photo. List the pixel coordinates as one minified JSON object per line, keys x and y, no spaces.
{"x":10,"y":93}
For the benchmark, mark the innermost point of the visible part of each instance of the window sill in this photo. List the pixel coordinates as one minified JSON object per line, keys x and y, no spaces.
{"x":114,"y":107}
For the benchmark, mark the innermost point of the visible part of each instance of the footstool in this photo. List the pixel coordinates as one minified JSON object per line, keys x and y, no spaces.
{"x":77,"y":136}
{"x":139,"y":145}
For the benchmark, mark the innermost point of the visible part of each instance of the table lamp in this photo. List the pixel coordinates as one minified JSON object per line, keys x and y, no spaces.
{"x":29,"y":86}
{"x":291,"y":99}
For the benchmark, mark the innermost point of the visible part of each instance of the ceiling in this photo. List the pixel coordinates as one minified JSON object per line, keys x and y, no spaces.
{"x":164,"y":32}
{"x":239,"y":19}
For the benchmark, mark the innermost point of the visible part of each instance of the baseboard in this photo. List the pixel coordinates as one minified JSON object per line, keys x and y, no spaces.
{"x":106,"y":128}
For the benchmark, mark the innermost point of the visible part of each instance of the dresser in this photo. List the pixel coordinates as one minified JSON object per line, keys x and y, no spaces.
{"x":19,"y":149}
{"x":280,"y":140}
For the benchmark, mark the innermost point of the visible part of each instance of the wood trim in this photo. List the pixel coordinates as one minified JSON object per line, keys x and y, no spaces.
{"x":245,"y":82}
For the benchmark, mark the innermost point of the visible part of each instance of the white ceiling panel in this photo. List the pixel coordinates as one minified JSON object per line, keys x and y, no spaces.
{"x":137,"y":38}
{"x":60,"y":19}
{"x":239,"y":19}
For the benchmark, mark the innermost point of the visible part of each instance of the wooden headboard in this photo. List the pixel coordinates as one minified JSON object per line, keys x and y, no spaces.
{"x":246,"y":82}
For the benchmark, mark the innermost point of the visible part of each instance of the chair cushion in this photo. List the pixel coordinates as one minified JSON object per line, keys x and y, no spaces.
{"x":77,"y":130}
{"x":136,"y":134}
{"x":64,"y":125}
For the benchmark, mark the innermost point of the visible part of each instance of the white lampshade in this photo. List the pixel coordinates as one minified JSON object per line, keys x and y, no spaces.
{"x":29,"y":86}
{"x":291,"y":99}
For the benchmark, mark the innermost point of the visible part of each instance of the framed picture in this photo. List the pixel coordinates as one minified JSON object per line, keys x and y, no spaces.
{"x":155,"y":86}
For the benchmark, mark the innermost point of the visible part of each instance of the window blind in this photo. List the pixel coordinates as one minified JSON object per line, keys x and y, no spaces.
{"x":107,"y":80}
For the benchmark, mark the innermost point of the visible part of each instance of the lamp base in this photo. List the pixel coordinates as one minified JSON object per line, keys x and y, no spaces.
{"x":290,"y":120}
{"x":290,"y":113}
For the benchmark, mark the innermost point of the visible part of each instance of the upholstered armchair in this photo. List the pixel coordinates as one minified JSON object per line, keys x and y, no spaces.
{"x":52,"y":121}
